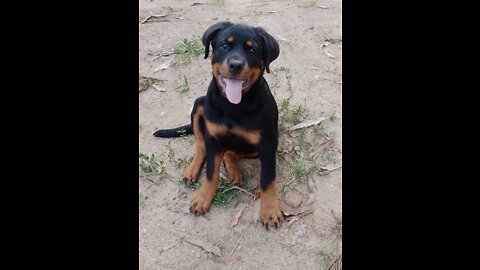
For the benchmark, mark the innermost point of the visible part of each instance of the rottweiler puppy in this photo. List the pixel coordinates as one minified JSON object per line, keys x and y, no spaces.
{"x":238,"y":117}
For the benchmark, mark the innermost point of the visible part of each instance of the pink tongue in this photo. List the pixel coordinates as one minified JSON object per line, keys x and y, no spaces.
{"x":233,"y":89}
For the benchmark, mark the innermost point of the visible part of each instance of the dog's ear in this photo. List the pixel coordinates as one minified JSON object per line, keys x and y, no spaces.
{"x":210,"y":34}
{"x":270,"y":46}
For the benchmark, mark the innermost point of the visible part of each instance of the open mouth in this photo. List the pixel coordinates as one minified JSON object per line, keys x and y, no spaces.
{"x":233,"y":88}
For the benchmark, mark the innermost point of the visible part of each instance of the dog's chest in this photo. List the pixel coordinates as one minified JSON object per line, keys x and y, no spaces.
{"x":221,"y":131}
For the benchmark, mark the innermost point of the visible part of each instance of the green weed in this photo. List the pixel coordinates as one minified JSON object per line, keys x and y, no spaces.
{"x":182,"y":132}
{"x":183,"y":162}
{"x":288,"y":76}
{"x":184,"y":87}
{"x":188,"y":49}
{"x":285,"y":104}
{"x":149,"y":165}
{"x":225,"y":194}
{"x":319,"y":128}
{"x":302,"y":142}
{"x":299,"y":170}
{"x":292,"y":117}
{"x":145,"y":82}
{"x":325,"y":259}
{"x":283,"y":69}
{"x":142,"y":200}
{"x":171,"y":153}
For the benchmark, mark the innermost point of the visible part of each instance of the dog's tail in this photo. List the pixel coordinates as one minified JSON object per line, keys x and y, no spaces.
{"x":174,"y":132}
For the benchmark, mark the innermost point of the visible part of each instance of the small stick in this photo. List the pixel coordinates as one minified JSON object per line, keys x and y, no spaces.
{"x":336,"y":168}
{"x":152,"y":15}
{"x":179,"y":239}
{"x":238,"y":241}
{"x":234,"y":247}
{"x":241,"y":189}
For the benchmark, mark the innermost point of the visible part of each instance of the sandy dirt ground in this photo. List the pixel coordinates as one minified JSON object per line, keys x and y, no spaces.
{"x":307,"y":73}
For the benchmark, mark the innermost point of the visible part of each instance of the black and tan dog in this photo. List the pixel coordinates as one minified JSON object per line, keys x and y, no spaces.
{"x":237,"y":118}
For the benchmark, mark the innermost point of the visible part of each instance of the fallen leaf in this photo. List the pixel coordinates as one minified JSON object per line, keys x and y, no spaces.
{"x":288,"y":215}
{"x":293,"y":220}
{"x":237,"y":216}
{"x":281,"y":38}
{"x":307,"y":123}
{"x":157,"y":16}
{"x":321,"y":147}
{"x":329,"y":55}
{"x":185,"y":209}
{"x":164,"y":65}
{"x":207,"y":246}
{"x":310,"y":200}
{"x":298,"y":216}
{"x":157,"y":87}
{"x":330,"y":169}
{"x":337,"y":264}
{"x":322,"y":7}
{"x":310,"y":185}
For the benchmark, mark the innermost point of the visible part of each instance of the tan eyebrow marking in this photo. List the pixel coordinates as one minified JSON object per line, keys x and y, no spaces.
{"x":249,"y":43}
{"x":230,"y":39}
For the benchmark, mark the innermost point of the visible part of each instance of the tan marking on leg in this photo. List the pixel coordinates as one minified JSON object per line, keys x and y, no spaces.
{"x":203,"y":198}
{"x":270,"y":212}
{"x":231,"y":158}
{"x":192,"y":172}
{"x":250,"y":155}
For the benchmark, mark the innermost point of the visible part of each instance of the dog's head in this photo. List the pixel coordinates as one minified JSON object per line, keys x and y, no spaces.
{"x":240,"y":55}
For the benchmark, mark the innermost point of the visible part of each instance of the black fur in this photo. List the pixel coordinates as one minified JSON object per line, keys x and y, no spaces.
{"x":257,"y":110}
{"x":174,"y":132}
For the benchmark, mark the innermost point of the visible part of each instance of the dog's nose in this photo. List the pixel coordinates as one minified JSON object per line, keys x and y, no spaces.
{"x":235,"y":65}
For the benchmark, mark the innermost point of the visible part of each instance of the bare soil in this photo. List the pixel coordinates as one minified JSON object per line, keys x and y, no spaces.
{"x":309,"y":70}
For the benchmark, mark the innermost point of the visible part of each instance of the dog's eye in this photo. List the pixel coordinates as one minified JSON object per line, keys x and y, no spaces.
{"x":252,"y":50}
{"x":224,"y":46}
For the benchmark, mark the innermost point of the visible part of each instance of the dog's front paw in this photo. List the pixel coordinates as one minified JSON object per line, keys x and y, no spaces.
{"x":191,"y":174}
{"x":201,"y":202}
{"x":270,"y":213}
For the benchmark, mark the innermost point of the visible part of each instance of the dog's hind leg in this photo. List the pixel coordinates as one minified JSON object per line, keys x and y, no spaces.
{"x":230,"y":160}
{"x":192,"y":172}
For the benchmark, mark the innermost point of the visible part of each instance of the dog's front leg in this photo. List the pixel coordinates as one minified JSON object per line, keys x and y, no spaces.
{"x":203,"y":198}
{"x":270,"y":212}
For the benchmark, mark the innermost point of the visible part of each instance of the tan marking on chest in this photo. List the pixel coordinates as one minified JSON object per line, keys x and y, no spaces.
{"x":218,"y":130}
